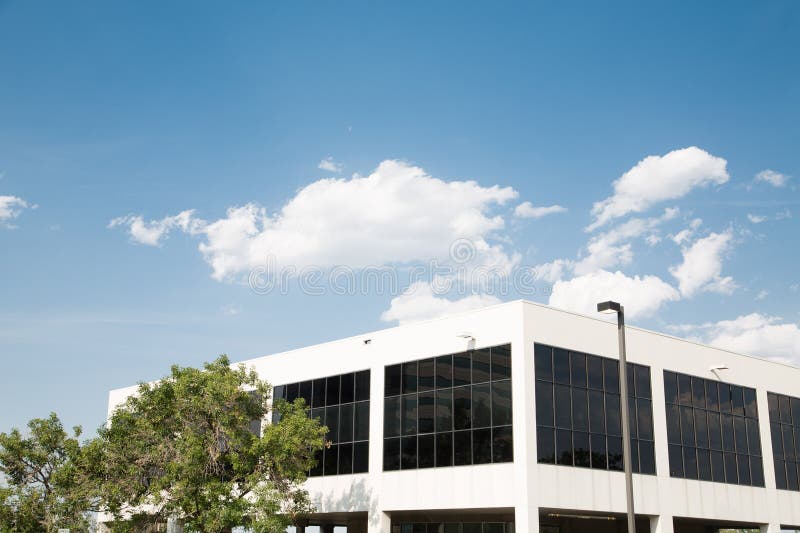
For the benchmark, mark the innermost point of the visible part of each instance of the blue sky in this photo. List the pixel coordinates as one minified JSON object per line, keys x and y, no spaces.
{"x":117,"y":111}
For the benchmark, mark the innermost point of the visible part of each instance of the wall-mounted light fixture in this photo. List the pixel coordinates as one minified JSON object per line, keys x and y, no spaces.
{"x":465,"y":335}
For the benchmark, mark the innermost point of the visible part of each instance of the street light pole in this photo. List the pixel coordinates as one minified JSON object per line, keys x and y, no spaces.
{"x":614,"y":307}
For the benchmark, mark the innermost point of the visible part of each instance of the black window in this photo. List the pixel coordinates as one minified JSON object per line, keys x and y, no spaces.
{"x":342,"y":404}
{"x":712,"y":429}
{"x":578,"y":417}
{"x":449,"y":410}
{"x":784,"y":421}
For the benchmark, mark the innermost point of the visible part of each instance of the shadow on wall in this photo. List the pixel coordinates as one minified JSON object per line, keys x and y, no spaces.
{"x":358,"y":498}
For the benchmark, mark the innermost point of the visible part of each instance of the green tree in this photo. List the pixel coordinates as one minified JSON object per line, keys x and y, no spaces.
{"x":44,"y":488}
{"x":186,"y":447}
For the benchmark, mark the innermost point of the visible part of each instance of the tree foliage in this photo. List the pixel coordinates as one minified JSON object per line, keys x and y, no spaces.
{"x":187,"y":447}
{"x":44,"y":483}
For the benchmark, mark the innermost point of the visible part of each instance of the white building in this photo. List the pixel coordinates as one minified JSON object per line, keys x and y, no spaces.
{"x":449,"y":436}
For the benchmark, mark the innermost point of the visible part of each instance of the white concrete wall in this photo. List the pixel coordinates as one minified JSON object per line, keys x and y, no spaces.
{"x":524,"y":485}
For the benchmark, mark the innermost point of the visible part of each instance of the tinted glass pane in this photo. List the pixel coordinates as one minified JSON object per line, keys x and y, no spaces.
{"x":391,"y":454}
{"x":698,"y":392}
{"x":318,"y":393}
{"x":701,"y":428}
{"x":332,"y":390}
{"x":362,"y":385}
{"x":611,"y":375}
{"x":750,"y":408}
{"x":409,"y":414}
{"x":444,"y":371}
{"x":731,"y":475}
{"x":647,"y":457}
{"x":684,"y":390}
{"x":279,"y":392}
{"x":481,"y":405}
{"x":687,"y":426}
{"x":331,"y":460}
{"x":561,"y":365}
{"x":673,"y":424}
{"x":426,"y":454}
{"x":408,"y":453}
{"x":543,"y":359}
{"x":777,"y":440}
{"x":780,"y":474}
{"x":712,"y":395}
{"x":545,"y":411}
{"x":563,"y":401}
{"x":753,"y":438}
{"x":462,"y":413}
{"x":501,"y":362}
{"x":581,"y":451}
{"x":502,"y":444}
{"x":501,"y":403}
{"x":741,"y":434}
{"x":462,"y":369}
{"x":642,"y":381}
{"x":756,"y":471}
{"x":564,"y":447}
{"x":546,"y":445}
{"x":305,"y":392}
{"x":580,"y":410}
{"x":481,"y":365}
{"x":724,"y":398}
{"x":743,"y":464}
{"x":319,"y":461}
{"x":427,"y":374}
{"x":772,"y":404}
{"x":346,"y":419}
{"x":391,"y":417}
{"x":614,"y":453}
{"x":644,"y":419}
{"x":714,"y":432}
{"x":409,"y":377}
{"x":332,"y":421}
{"x":345,"y":459}
{"x":795,"y":407}
{"x":788,"y":443}
{"x":737,"y":400}
{"x":292,"y":390}
{"x":728,"y":443}
{"x":444,"y":410}
{"x":462,"y":448}
{"x":598,"y":446}
{"x":670,"y":387}
{"x":426,"y":412}
{"x":785,"y":408}
{"x":482,"y":446}
{"x":578,"y":369}
{"x":613,"y":424}
{"x":704,"y":465}
{"x":675,"y":461}
{"x":597,"y":418}
{"x":361,"y":423}
{"x":717,"y":467}
{"x":444,"y":449}
{"x":393,"y":380}
{"x":360,"y":457}
{"x":690,"y":463}
{"x":594,"y":366}
{"x":347,"y":392}
{"x":791,"y":476}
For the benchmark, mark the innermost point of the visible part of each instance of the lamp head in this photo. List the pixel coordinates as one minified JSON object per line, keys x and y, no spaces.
{"x":608,"y":307}
{"x":465,"y":335}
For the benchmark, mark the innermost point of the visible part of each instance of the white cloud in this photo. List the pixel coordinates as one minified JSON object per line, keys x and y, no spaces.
{"x":10,"y":208}
{"x":776,"y":179}
{"x":794,"y":287}
{"x":330,"y":165}
{"x":754,"y":334}
{"x":755,"y":219}
{"x":419,"y":302}
{"x":641,"y":296}
{"x":701,"y":268}
{"x":762,"y":294}
{"x":612,"y":248}
{"x":231,"y":309}
{"x":658,"y":178}
{"x":553,"y":271}
{"x":397,"y":214}
{"x":153,"y":232}
{"x":783,"y":215}
{"x":527,"y":210}
{"x":686,"y":234}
